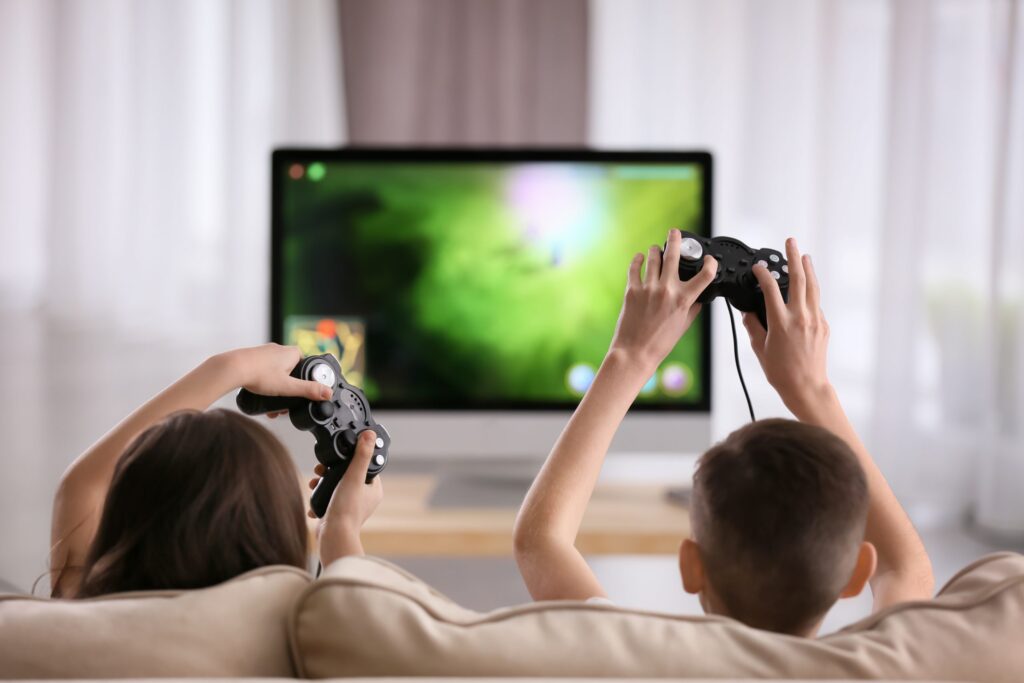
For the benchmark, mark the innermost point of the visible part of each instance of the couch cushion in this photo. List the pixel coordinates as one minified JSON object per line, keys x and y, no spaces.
{"x":450,"y":680}
{"x":238,"y":628}
{"x":365,"y":617}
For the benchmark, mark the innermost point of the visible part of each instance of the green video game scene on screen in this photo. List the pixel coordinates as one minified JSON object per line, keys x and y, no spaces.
{"x":460,"y":281}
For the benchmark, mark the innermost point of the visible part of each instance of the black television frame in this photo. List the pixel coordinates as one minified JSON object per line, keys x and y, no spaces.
{"x":283,"y":157}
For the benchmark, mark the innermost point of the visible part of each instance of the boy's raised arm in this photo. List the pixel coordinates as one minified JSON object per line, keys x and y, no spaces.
{"x":793,"y":355}
{"x":657,"y":310}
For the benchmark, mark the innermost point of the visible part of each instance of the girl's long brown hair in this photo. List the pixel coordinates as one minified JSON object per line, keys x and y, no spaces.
{"x":195,"y":500}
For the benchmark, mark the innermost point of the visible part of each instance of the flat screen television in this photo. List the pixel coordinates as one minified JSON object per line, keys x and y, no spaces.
{"x":475,"y":291}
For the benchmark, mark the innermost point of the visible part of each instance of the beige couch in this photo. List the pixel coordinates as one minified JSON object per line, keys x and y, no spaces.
{"x":367,"y":618}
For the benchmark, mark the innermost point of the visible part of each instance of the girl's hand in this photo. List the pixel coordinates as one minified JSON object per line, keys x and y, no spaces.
{"x":352,"y":503}
{"x":266,"y":370}
{"x":659,"y":307}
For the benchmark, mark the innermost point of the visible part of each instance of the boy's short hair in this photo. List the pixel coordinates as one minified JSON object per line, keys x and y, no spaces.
{"x":778,"y":513}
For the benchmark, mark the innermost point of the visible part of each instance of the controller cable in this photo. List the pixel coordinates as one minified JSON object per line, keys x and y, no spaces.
{"x":736,"y":355}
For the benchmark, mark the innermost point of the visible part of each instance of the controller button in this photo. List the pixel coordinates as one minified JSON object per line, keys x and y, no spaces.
{"x":730,"y":269}
{"x":743,"y":262}
{"x":776,"y":274}
{"x":379,"y":459}
{"x":785,"y":268}
{"x":762,"y":262}
{"x":774,"y":258}
{"x":690,"y":249}
{"x":380,"y":443}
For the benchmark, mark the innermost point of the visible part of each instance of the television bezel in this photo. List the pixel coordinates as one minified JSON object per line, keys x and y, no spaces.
{"x":282,"y":158}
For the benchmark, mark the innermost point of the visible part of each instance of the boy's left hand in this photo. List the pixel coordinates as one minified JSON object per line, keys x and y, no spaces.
{"x":659,"y":307}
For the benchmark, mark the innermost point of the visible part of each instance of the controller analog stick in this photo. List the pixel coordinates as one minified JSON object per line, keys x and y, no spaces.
{"x":321,"y":410}
{"x":346,"y":441}
{"x":690,"y":249}
{"x":322,"y":373}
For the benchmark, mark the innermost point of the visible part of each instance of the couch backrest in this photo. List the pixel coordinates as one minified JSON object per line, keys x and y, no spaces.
{"x":238,"y":628}
{"x":365,"y":617}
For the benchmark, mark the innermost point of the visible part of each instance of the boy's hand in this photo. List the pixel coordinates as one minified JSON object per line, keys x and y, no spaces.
{"x":266,"y":370}
{"x":659,"y":307}
{"x":353,"y":502}
{"x":793,"y":350}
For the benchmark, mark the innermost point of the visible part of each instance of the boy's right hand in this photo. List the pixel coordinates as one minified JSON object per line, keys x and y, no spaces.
{"x":793,"y":350}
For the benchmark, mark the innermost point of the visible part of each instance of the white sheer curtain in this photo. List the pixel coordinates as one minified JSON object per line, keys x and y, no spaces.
{"x":136,"y":138}
{"x":888,"y":136}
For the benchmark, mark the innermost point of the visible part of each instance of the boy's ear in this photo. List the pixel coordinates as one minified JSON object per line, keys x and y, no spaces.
{"x":691,"y":569}
{"x":867,"y":560}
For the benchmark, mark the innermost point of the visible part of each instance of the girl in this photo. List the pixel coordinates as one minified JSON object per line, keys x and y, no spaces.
{"x":174,"y":497}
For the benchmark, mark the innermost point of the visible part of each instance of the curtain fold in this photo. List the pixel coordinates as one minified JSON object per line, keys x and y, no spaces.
{"x":138,"y":200}
{"x":465,"y":72}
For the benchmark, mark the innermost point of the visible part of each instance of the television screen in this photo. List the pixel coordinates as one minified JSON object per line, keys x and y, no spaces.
{"x":474,"y":279}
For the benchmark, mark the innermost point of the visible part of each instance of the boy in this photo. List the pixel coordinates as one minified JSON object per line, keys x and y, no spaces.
{"x":787,"y":516}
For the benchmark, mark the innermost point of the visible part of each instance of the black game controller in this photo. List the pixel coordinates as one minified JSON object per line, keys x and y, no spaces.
{"x":335,"y":423}
{"x":735,"y":278}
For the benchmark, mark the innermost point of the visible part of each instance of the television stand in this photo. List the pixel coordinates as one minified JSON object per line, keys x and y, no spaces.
{"x":456,"y":490}
{"x":679,"y":496}
{"x":422,"y":515}
{"x":503,"y":482}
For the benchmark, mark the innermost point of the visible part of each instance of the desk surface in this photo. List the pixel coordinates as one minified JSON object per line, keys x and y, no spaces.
{"x":622,"y":519}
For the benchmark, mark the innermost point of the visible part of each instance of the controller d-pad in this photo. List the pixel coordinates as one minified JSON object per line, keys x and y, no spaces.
{"x":321,"y":410}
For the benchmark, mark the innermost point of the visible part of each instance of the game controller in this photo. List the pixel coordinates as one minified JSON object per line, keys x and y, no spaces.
{"x":335,"y":423}
{"x":735,"y":277}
